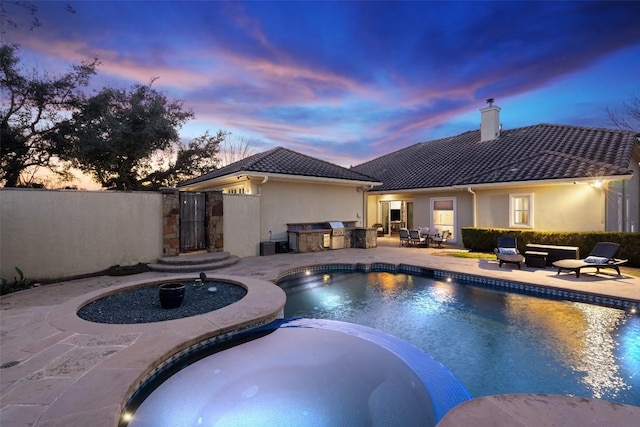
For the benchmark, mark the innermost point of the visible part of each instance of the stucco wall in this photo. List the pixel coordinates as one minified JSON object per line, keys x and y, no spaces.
{"x":422,"y":208}
{"x":464,"y":210}
{"x":570,"y":207}
{"x":61,"y":233}
{"x":241,"y":225}
{"x":289,"y":202}
{"x":623,"y":197}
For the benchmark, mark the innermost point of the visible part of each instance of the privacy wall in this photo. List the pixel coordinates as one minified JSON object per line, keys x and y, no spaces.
{"x":53,"y":234}
{"x":62,"y":233}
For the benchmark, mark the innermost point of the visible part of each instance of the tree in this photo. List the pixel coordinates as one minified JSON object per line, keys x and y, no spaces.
{"x":14,"y":11}
{"x":629,"y":116}
{"x":233,"y":150}
{"x":32,"y":106}
{"x":190,"y":160}
{"x":128,"y":140}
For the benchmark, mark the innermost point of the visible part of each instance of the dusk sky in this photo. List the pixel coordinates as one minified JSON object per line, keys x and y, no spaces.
{"x":349,"y":81}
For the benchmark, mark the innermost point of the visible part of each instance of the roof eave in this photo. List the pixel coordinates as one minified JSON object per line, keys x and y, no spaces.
{"x":216,"y":182}
{"x":312,"y":179}
{"x":221,"y":181}
{"x":492,"y":185}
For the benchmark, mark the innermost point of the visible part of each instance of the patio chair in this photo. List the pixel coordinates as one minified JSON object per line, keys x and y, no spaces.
{"x":415,"y":238}
{"x":404,"y":237}
{"x":379,"y":229}
{"x":601,"y":256}
{"x":425,"y":233}
{"x":507,"y":251}
{"x":439,"y":239}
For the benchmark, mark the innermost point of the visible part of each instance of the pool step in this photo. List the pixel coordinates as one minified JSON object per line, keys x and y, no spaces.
{"x":205,"y":261}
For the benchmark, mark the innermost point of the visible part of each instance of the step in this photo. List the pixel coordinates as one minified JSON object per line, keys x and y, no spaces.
{"x":195,"y":258}
{"x":194,"y":267}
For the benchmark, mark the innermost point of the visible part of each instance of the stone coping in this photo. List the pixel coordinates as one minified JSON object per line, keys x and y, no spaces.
{"x":540,"y":410}
{"x":84,"y":376}
{"x":100,"y":365}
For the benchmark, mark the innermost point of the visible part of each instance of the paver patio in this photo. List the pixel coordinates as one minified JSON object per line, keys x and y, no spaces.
{"x":74,"y":372}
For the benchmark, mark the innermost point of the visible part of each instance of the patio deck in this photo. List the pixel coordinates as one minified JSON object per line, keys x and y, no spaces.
{"x":73,"y":372}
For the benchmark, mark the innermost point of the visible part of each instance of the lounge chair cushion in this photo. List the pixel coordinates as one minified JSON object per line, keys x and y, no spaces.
{"x":507,"y":251}
{"x":596,"y":260}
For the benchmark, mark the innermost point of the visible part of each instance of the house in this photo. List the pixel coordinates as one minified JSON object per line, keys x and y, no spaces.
{"x":544,"y":177}
{"x":288,"y":188}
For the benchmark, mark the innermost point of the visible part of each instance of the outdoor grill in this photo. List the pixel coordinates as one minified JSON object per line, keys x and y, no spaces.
{"x":318,"y":236}
{"x":337,"y":234}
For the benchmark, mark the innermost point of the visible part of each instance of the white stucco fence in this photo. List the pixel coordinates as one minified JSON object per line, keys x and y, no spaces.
{"x":52,"y":234}
{"x":241,"y":224}
{"x":62,"y":233}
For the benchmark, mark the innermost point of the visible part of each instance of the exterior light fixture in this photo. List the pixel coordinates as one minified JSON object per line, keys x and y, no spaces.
{"x":597,"y":184}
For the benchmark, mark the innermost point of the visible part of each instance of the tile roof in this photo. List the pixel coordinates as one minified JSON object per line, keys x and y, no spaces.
{"x":283,"y":161}
{"x":534,"y":153}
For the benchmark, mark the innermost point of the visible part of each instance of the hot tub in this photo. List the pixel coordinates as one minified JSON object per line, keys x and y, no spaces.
{"x":302,"y":372}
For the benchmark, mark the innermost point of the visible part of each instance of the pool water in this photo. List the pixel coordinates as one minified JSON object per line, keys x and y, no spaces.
{"x":494,"y":342}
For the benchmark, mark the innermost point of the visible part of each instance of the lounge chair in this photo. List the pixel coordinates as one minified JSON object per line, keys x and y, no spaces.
{"x":415,"y":238}
{"x":507,"y":251}
{"x":404,"y":237}
{"x":601,"y":256}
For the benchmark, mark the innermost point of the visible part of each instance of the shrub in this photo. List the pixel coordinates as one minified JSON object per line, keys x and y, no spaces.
{"x":484,"y":240}
{"x":19,"y":283}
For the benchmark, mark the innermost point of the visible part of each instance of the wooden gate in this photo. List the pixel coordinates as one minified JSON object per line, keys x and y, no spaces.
{"x":193,"y":234}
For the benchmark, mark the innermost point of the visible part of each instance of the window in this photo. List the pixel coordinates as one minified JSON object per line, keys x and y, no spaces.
{"x":521,"y":210}
{"x":395,"y":210}
{"x":234,"y":190}
{"x":443,"y":215}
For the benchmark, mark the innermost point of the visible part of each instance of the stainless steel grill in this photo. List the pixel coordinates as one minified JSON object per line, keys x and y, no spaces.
{"x":337,"y":234}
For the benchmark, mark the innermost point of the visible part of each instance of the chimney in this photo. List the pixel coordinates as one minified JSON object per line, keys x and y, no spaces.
{"x":490,"y":123}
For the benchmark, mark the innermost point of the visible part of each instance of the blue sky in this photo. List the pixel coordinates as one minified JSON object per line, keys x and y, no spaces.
{"x":350,"y":81}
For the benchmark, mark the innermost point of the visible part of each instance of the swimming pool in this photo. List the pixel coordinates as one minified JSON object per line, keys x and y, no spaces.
{"x":494,"y":342}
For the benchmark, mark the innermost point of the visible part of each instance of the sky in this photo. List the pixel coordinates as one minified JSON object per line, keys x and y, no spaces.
{"x":350,"y":81}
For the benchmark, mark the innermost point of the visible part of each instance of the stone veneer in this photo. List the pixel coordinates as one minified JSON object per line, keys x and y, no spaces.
{"x":364,"y":238}
{"x":313,"y":240}
{"x":171,"y":221}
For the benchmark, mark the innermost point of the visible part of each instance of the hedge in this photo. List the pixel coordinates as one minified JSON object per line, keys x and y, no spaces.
{"x":484,"y":240}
